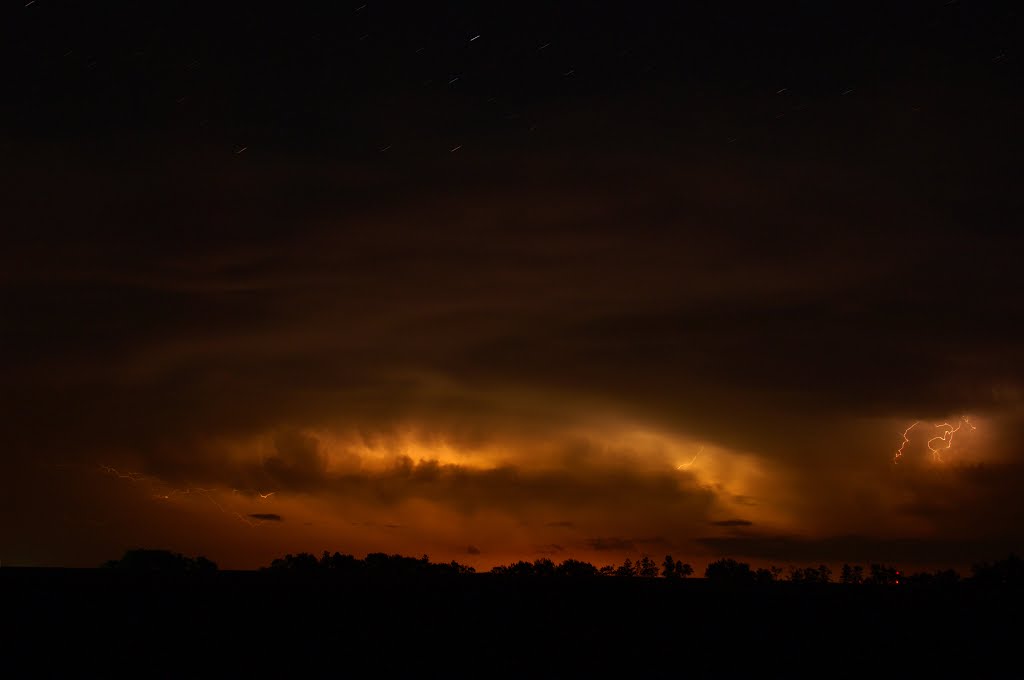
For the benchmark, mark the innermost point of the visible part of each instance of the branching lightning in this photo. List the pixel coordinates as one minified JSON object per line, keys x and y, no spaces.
{"x":169,"y":493}
{"x":937,"y":444}
{"x":130,"y":476}
{"x":906,"y":440}
{"x":947,"y":437}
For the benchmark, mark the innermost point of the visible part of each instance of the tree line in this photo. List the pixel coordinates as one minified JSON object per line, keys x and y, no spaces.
{"x":374,"y":563}
{"x":144,"y":559}
{"x":645,"y":567}
{"x":725,"y":570}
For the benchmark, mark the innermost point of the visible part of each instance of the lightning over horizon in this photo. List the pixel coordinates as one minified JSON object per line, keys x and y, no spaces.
{"x":511,"y":278}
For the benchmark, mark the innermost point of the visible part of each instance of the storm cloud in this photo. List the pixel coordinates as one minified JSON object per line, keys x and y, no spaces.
{"x":635,"y":313}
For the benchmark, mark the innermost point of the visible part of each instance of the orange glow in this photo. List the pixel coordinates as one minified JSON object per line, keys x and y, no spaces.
{"x":492,"y":500}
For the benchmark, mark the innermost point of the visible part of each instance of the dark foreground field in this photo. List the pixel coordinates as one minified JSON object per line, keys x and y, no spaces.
{"x":104,"y":622}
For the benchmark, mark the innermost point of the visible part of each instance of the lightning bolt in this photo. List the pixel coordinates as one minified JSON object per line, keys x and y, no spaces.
{"x":947,"y":437}
{"x":906,"y":440}
{"x":686,"y":465}
{"x":938,"y":443}
{"x":170,"y":493}
{"x":130,"y":476}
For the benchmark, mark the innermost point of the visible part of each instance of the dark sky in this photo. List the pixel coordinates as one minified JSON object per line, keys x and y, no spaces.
{"x":495,"y":281}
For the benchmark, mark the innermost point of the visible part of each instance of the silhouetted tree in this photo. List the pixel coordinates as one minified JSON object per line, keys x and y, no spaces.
{"x":819,"y":574}
{"x":647,"y":568}
{"x":520,"y":568}
{"x":341,"y":563}
{"x":142,"y":559}
{"x":675,"y":568}
{"x":883,"y":575}
{"x":454,"y":567}
{"x":575,"y":568}
{"x":851,"y":575}
{"x":1004,"y":572}
{"x":607,"y":570}
{"x":544,"y":567}
{"x":627,"y":569}
{"x":375,"y":564}
{"x":303,"y":562}
{"x":728,"y":570}
{"x":941,"y":577}
{"x":769,"y":575}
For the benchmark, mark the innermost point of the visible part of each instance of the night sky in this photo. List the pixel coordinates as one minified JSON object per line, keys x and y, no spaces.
{"x":499,"y":281}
